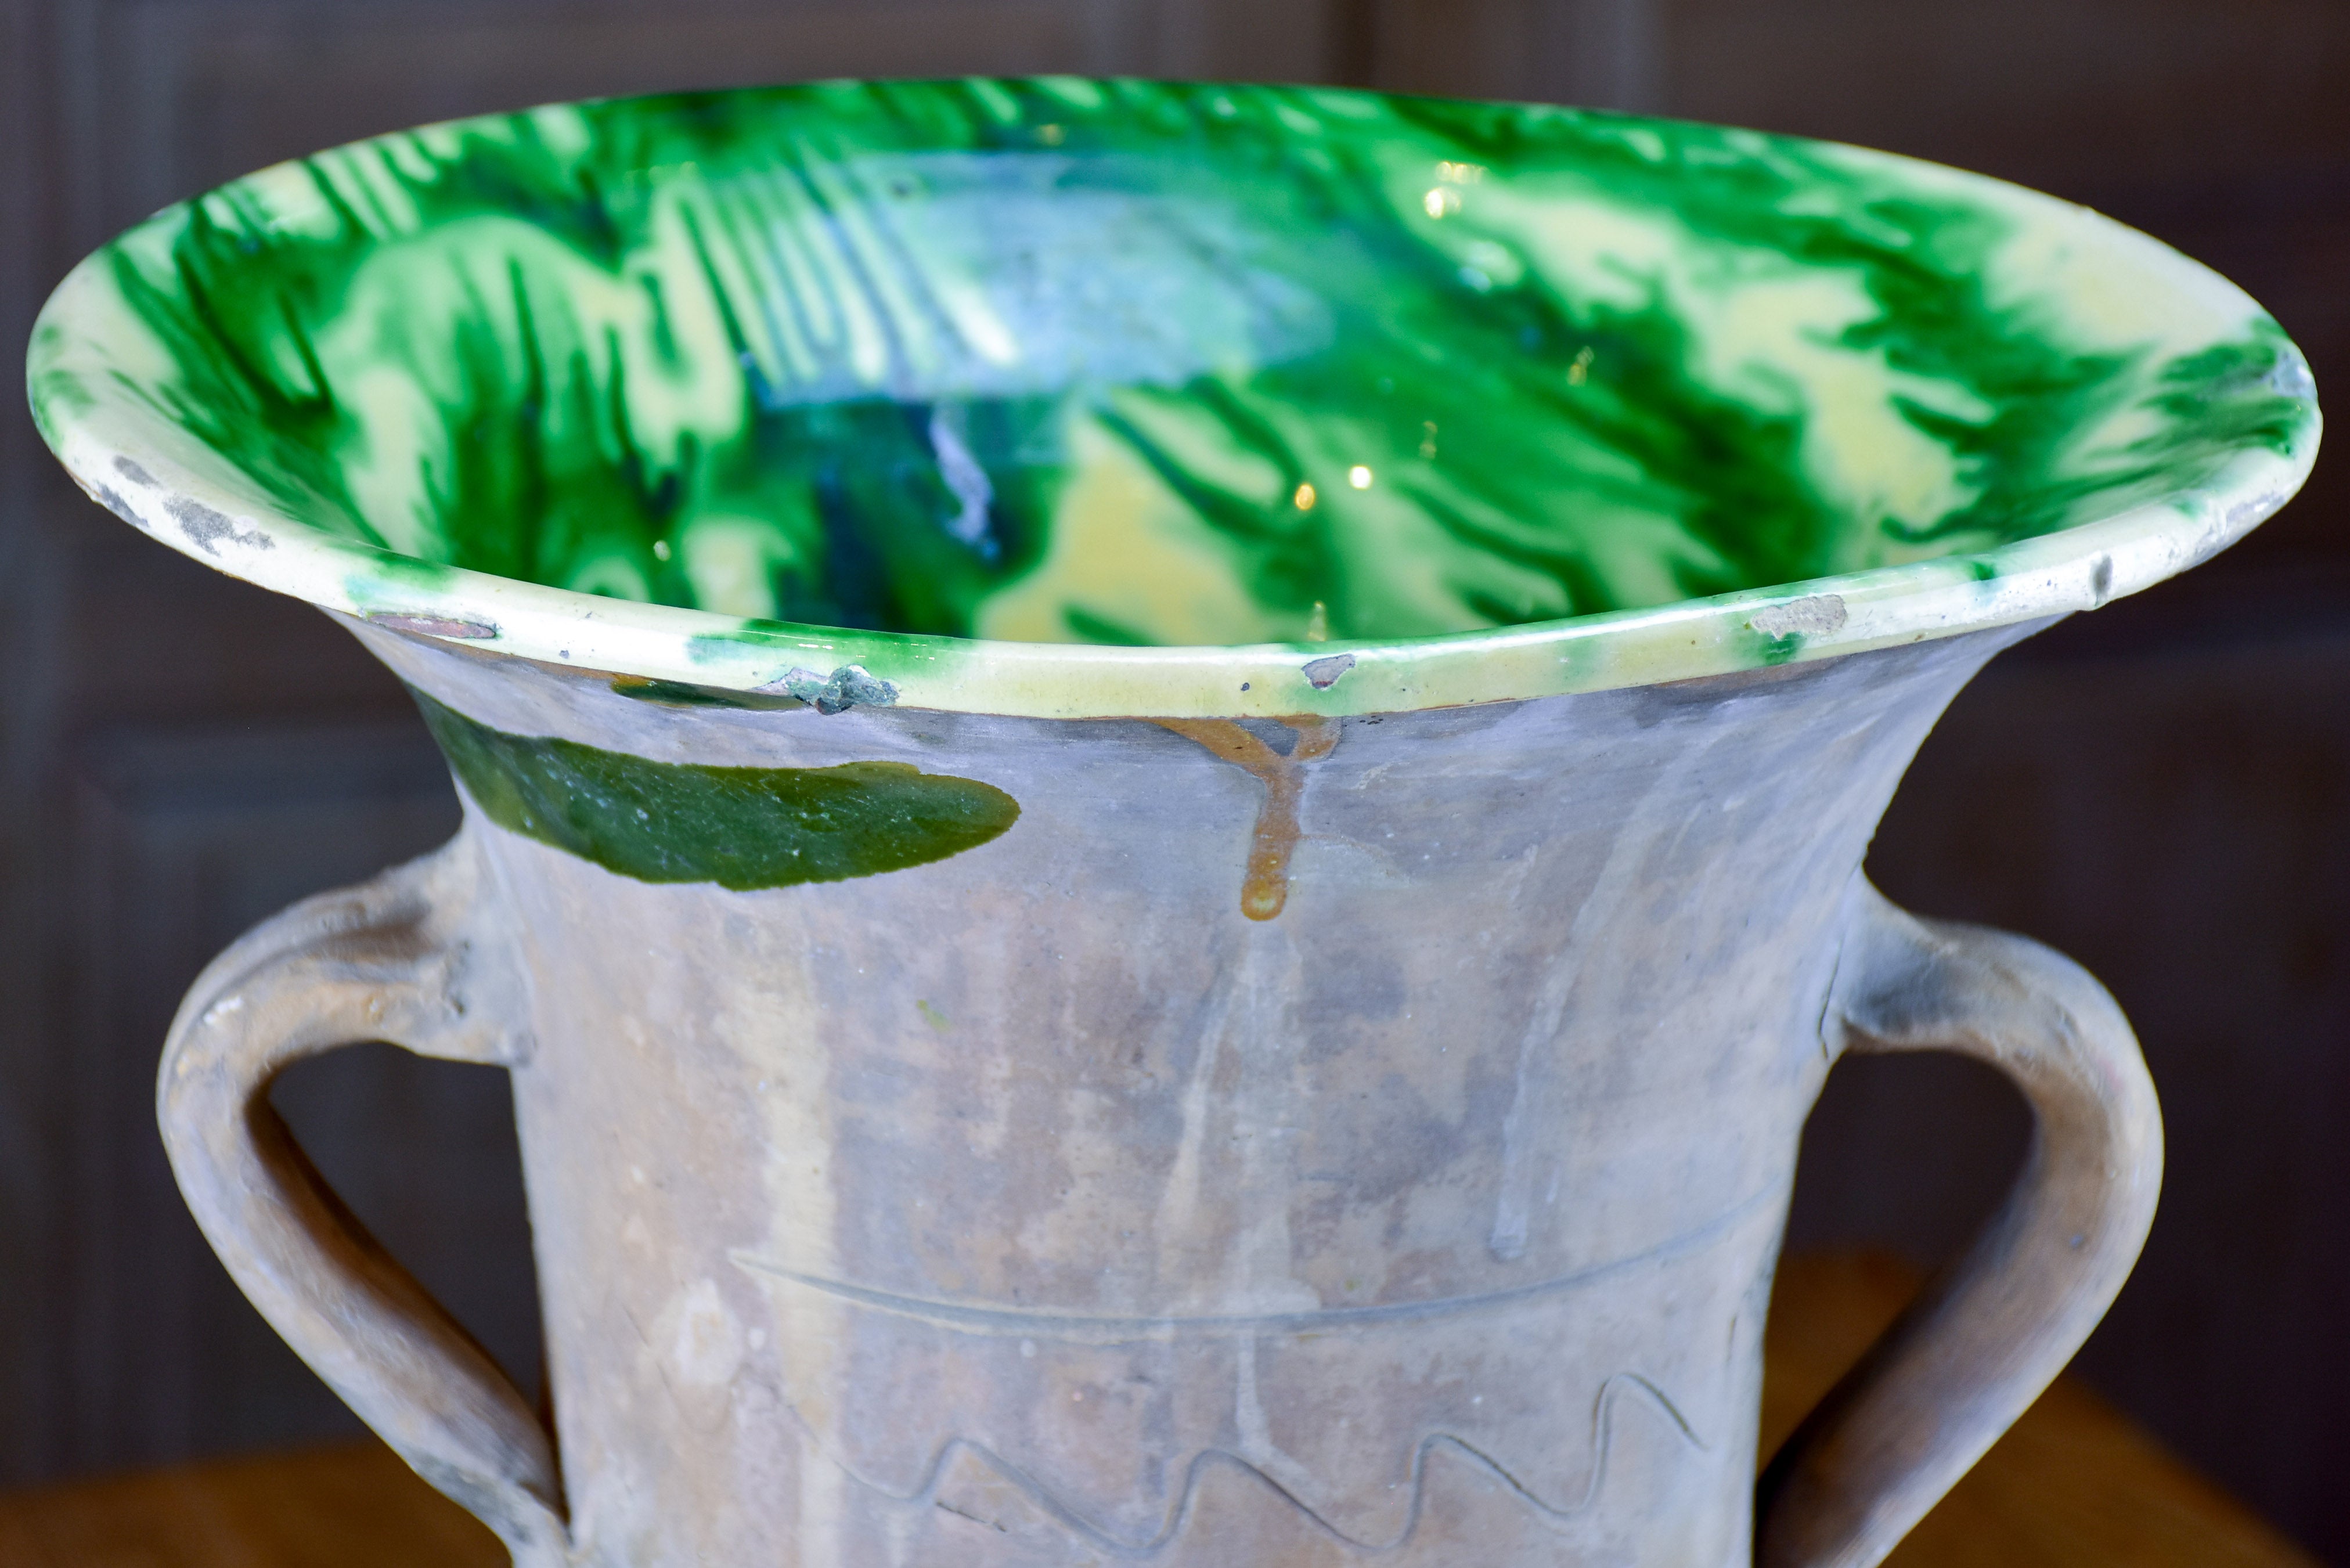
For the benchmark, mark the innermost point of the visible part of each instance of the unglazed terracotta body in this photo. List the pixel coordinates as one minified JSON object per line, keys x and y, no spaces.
{"x":1038,"y":1206}
{"x":1164,"y":793}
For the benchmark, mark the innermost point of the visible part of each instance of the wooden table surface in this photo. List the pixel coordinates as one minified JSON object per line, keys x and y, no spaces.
{"x":2074,"y":1485}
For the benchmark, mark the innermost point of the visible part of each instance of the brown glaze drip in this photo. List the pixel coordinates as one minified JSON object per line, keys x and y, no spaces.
{"x":1266,"y":887}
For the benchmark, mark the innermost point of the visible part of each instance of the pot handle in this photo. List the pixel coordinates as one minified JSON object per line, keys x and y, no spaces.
{"x":406,"y":957}
{"x":1987,"y":1335}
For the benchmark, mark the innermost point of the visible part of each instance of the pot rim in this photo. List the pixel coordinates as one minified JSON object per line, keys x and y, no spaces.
{"x":157,"y":476}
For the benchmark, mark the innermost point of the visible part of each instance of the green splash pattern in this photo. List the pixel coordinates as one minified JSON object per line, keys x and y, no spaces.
{"x":1153,"y":364}
{"x":743,"y":828}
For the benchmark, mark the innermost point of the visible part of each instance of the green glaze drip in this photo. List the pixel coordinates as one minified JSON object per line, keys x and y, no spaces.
{"x":1148,"y":363}
{"x":740,"y":827}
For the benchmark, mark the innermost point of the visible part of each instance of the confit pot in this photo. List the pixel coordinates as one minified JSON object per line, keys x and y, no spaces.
{"x":1164,"y":790}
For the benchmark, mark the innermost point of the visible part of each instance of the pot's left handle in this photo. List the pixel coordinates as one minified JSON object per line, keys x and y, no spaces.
{"x":404,"y":959}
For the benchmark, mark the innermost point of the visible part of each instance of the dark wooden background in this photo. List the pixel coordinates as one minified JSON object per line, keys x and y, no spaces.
{"x":2162,"y":789}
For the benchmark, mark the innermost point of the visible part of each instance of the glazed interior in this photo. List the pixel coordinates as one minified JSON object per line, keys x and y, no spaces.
{"x":1149,"y":364}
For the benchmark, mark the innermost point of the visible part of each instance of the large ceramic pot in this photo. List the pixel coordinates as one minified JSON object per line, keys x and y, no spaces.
{"x":1164,"y":790}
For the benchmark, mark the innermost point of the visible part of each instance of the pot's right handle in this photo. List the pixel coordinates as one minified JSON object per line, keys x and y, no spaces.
{"x":1986,"y":1337}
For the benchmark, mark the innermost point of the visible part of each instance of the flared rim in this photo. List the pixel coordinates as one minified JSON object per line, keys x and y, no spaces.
{"x":155,"y":475}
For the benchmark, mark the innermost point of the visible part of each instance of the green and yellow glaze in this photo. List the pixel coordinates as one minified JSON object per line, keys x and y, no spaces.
{"x":1079,"y":397}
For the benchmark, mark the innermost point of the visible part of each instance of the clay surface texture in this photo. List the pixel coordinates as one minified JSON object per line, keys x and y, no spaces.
{"x":1053,"y":1201}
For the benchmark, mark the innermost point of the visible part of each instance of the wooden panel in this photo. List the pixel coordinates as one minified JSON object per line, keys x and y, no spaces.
{"x":34,"y":1144}
{"x":201,"y":93}
{"x":1911,"y":1152}
{"x":1603,"y":54}
{"x":175,"y":94}
{"x":354,"y":1507}
{"x":2078,"y":96}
